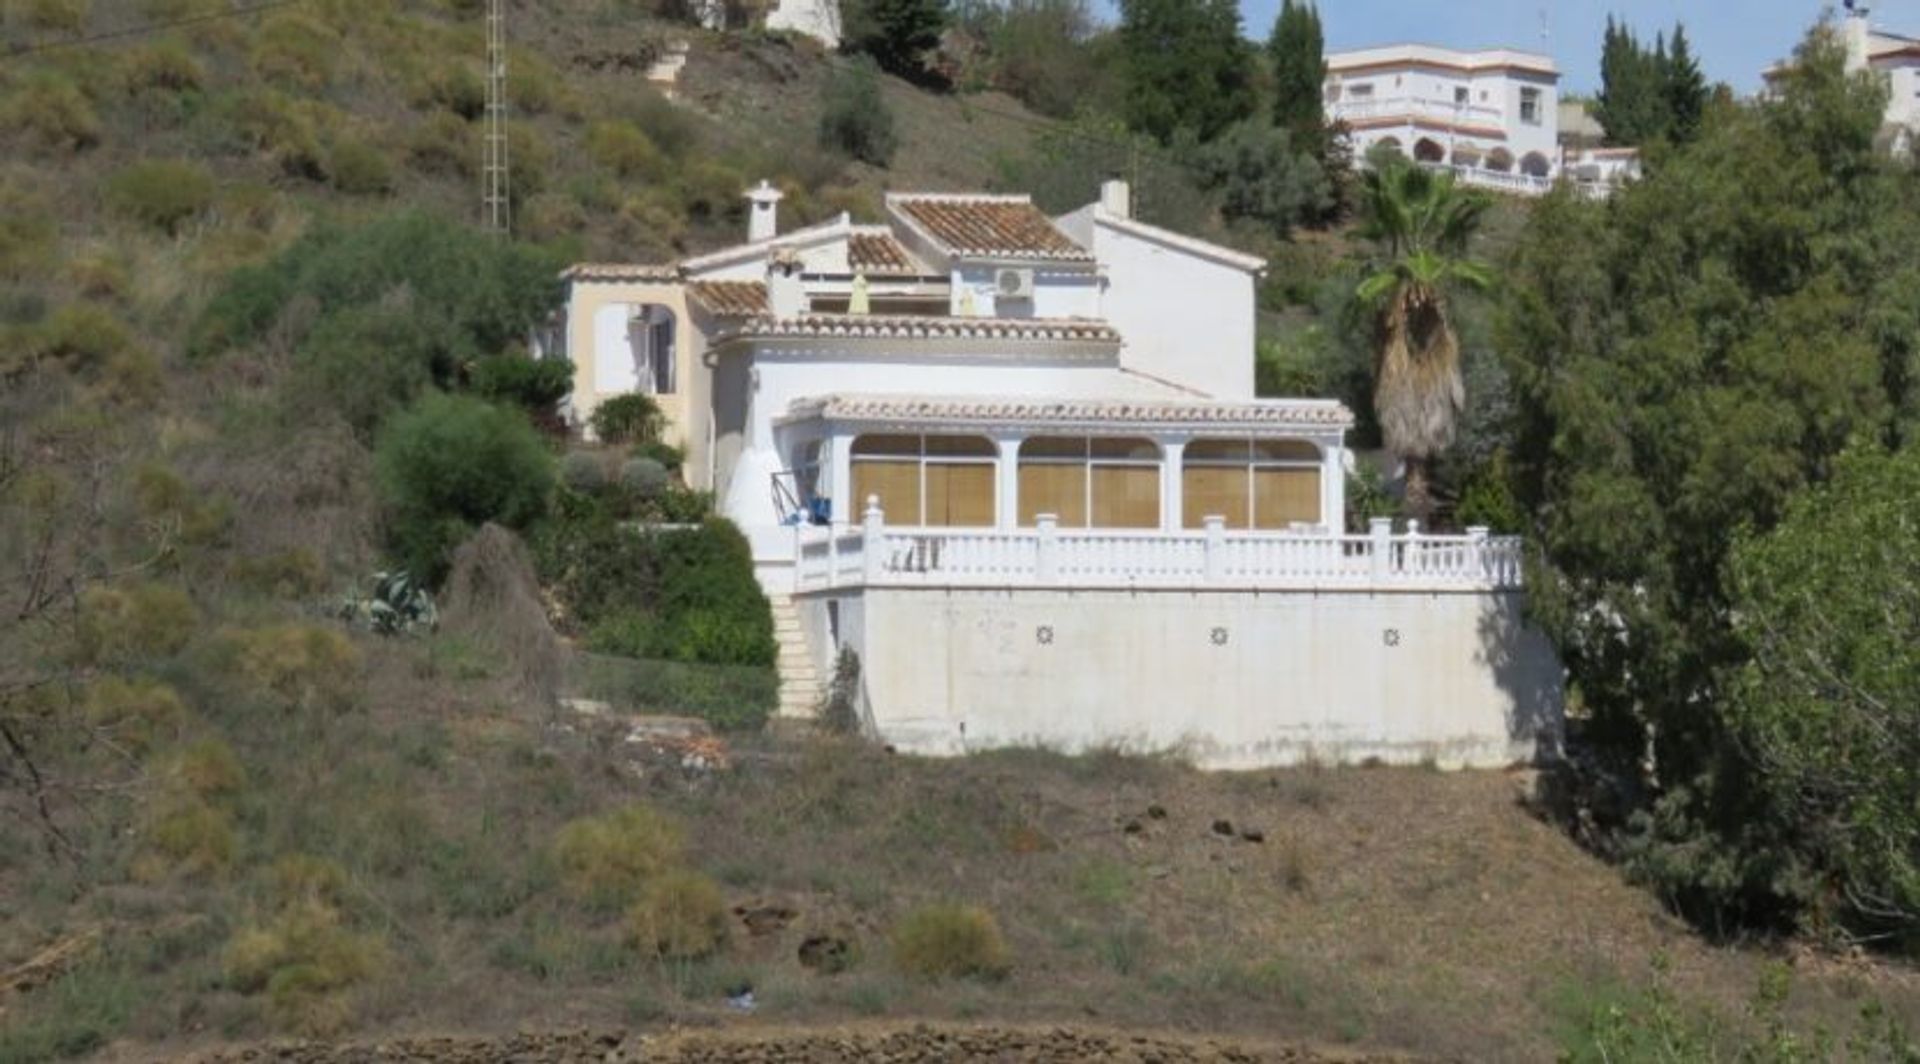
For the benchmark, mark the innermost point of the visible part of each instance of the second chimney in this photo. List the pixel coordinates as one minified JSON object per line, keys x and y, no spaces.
{"x":763,"y":214}
{"x":1116,"y":198}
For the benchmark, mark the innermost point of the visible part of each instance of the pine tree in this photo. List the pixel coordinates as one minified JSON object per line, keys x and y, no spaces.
{"x":1186,"y":67}
{"x":1297,"y":51}
{"x":1685,"y":90}
{"x":898,"y":34}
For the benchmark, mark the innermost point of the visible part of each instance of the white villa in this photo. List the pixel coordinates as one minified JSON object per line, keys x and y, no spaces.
{"x":1895,"y":58}
{"x":1492,"y":117}
{"x":1016,"y":464}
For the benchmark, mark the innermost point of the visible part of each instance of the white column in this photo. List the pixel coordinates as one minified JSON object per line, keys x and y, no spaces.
{"x":1006,"y":482}
{"x":1172,"y":453}
{"x":1333,"y":486}
{"x":846,"y":508}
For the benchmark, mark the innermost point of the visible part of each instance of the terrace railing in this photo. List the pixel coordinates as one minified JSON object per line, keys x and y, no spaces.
{"x":873,"y":554}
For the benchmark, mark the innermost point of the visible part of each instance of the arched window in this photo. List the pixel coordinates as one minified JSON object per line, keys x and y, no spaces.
{"x":1428,"y":150}
{"x":1269,"y":484}
{"x":1535,"y":164}
{"x":1090,"y":483}
{"x":1500,"y":160}
{"x":940,"y":481}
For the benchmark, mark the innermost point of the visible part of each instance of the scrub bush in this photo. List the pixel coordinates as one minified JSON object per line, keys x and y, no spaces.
{"x":583,"y":472}
{"x":84,"y":336}
{"x":855,"y":119}
{"x":56,"y":16}
{"x":302,"y":666}
{"x":304,"y":958}
{"x":450,"y":465}
{"x":627,"y":152}
{"x":950,"y":942}
{"x":164,"y":66}
{"x":645,"y":478}
{"x":624,"y":419}
{"x":358,"y":168}
{"x":296,"y":51}
{"x":138,"y":712}
{"x":207,"y":769}
{"x":533,"y":384}
{"x":161,"y":193}
{"x":186,"y":836}
{"x":680,"y":916}
{"x":134,"y":622}
{"x":53,"y":111}
{"x":612,"y":857}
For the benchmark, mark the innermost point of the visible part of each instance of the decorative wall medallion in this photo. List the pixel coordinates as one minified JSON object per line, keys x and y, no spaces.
{"x":1219,"y":637}
{"x":1043,"y":635}
{"x":1391,"y":637}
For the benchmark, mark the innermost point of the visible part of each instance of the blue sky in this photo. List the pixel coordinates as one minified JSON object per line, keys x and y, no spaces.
{"x":1735,"y":39}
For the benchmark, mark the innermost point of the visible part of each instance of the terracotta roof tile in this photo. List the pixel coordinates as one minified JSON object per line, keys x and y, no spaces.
{"x":730,"y":299}
{"x":622,"y":271}
{"x":1233,"y":414}
{"x":990,"y":227}
{"x":916,"y":327}
{"x":879,"y":253}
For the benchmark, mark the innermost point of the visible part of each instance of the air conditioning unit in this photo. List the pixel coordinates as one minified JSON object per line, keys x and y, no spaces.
{"x":1013,"y":284}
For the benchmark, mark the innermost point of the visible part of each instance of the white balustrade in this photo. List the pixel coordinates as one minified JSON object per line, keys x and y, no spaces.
{"x":873,"y":554}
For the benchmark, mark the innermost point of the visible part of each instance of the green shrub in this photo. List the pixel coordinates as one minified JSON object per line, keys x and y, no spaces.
{"x":286,"y":131}
{"x":56,"y":16}
{"x":626,"y":151}
{"x":134,"y":622}
{"x":305,"y":959}
{"x":52,"y":110}
{"x":583,"y":472}
{"x":208,"y":769}
{"x":296,"y":50}
{"x":367,"y":363}
{"x":671,"y":458}
{"x":680,"y":916}
{"x":645,"y":478}
{"x":187,"y":836}
{"x":358,"y":168}
{"x":27,"y":232}
{"x":950,"y":942}
{"x":533,"y":384}
{"x":612,"y":858}
{"x":84,"y":336}
{"x":161,"y":193}
{"x":163,"y":68}
{"x":629,"y":418}
{"x":710,"y":191}
{"x":302,"y":666}
{"x":442,"y":145}
{"x":451,"y":464}
{"x":456,"y":87}
{"x":854,"y":118}
{"x":138,"y":712}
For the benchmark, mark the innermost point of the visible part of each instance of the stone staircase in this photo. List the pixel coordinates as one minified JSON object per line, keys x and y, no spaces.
{"x":802,"y":688}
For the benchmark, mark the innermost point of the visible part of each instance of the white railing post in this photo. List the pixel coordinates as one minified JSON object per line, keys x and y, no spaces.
{"x":873,"y":525}
{"x":1412,"y":562}
{"x":1380,"y":536}
{"x":1044,"y":563}
{"x":1216,"y":555}
{"x":833,"y":555}
{"x":1479,"y":563}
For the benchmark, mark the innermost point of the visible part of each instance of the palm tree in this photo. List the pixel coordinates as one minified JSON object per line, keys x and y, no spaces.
{"x":1421,"y":223}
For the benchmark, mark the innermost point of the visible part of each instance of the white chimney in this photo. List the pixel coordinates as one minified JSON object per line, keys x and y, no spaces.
{"x":763,"y":212}
{"x":1856,"y":31}
{"x":786,"y":295}
{"x":1116,"y":198}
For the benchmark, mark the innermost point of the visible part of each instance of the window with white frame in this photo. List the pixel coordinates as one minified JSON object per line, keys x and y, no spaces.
{"x":1530,"y":106}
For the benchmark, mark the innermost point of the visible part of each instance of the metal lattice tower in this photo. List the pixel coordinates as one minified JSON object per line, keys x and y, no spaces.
{"x":495,"y":201}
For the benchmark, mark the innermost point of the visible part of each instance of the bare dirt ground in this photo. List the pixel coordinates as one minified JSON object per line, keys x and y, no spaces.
{"x":909,"y":1045}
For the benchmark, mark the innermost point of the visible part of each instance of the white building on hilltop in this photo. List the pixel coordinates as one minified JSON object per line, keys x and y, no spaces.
{"x":1895,"y":59}
{"x":1491,"y":116}
{"x":1016,"y":464}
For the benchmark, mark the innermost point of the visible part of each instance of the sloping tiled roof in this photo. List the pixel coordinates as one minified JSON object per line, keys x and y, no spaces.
{"x":879,"y":253}
{"x":730,"y":299}
{"x":622,"y":271}
{"x":990,"y":227}
{"x":915,"y":327}
{"x":1250,"y":416}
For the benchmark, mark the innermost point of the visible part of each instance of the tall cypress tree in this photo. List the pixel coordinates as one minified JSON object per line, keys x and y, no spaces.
{"x":1685,"y":89}
{"x":1297,"y":50}
{"x":1186,"y":67}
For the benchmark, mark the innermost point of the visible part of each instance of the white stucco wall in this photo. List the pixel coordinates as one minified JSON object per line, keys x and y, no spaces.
{"x":819,"y":19}
{"x":1230,"y":679}
{"x":1187,"y":319}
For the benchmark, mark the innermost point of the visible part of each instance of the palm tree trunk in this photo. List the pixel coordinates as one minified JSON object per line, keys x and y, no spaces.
{"x":1419,"y":501}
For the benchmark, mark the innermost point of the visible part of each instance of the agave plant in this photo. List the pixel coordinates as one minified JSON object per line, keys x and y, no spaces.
{"x":396,"y":605}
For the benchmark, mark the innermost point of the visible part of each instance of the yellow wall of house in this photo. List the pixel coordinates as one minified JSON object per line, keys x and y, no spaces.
{"x":686,"y":408}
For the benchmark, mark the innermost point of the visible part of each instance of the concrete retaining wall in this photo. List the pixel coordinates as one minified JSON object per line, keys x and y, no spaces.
{"x":1231,"y":679}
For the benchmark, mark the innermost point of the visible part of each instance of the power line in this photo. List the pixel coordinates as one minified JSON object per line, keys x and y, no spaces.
{"x":152,"y":27}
